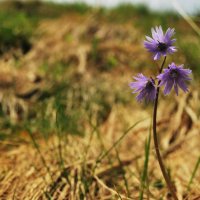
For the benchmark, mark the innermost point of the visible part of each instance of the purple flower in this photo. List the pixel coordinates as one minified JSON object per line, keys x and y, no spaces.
{"x":160,"y":44}
{"x":174,"y":76}
{"x":145,"y":87}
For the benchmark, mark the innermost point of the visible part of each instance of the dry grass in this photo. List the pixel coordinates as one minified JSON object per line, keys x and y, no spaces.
{"x":31,"y":172}
{"x":24,"y":176}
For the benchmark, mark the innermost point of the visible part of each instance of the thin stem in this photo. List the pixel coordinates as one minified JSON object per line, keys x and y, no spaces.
{"x":36,"y":145}
{"x":162,"y":167}
{"x":161,"y":68}
{"x":194,"y":173}
{"x":104,"y":154}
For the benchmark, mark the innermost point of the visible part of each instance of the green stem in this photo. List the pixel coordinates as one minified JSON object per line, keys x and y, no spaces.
{"x":162,"y":166}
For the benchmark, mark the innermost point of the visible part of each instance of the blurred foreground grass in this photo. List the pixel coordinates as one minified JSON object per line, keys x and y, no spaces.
{"x":64,"y":78}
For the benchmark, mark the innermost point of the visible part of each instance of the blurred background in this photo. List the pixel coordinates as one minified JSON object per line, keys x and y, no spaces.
{"x":191,"y":7}
{"x":67,"y":114}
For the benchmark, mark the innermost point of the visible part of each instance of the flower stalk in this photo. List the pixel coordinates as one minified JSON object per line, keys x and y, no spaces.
{"x":155,"y":138}
{"x":174,"y":75}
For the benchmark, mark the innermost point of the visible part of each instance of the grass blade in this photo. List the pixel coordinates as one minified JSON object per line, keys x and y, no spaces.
{"x":36,"y":145}
{"x":144,"y":177}
{"x":193,"y":173}
{"x":123,"y":173}
{"x":102,"y":156}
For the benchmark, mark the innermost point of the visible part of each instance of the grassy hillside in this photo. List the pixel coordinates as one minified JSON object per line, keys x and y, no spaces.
{"x":70,"y":127}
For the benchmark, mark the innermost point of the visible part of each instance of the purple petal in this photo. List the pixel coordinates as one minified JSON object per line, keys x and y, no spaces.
{"x":169,"y":33}
{"x":182,"y":85}
{"x":154,"y":35}
{"x":171,"y":49}
{"x":176,"y":88}
{"x":168,"y":87}
{"x":149,"y":39}
{"x":157,"y":56}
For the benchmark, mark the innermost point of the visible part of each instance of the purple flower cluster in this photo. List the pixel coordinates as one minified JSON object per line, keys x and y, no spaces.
{"x":174,"y":76}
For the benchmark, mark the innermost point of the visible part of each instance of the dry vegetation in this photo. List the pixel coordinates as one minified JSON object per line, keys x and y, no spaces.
{"x":66,"y":108}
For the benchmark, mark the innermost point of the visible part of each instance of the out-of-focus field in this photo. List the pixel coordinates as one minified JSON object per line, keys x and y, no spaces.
{"x":68,"y":118}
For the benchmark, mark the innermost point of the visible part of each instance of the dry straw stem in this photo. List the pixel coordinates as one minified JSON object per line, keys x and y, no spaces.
{"x":112,"y":190}
{"x":187,"y":18}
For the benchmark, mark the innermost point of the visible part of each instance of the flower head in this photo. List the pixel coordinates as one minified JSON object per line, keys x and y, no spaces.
{"x":174,"y":76}
{"x":160,"y":44}
{"x":145,"y":87}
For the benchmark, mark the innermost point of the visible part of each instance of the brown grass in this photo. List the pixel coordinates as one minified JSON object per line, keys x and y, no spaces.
{"x":22,"y":172}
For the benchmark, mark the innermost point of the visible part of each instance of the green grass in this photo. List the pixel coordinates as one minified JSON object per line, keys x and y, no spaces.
{"x":40,"y":10}
{"x":37,"y":147}
{"x":19,"y":19}
{"x":191,"y":50}
{"x":194,"y":173}
{"x":103,"y":155}
{"x":123,"y":173}
{"x":16,"y":31}
{"x":144,"y":178}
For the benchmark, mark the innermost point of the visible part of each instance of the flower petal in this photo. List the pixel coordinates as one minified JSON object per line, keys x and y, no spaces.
{"x":168,"y":87}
